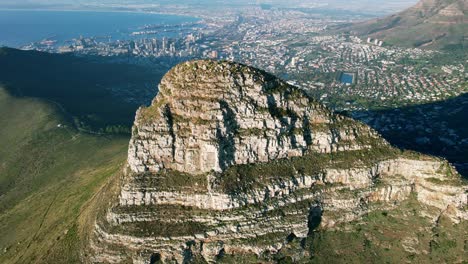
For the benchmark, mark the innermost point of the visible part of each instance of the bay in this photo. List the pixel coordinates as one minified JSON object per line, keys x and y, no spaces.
{"x":22,"y":27}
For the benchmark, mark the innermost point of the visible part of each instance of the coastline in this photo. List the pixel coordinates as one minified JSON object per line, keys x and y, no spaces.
{"x":145,"y":17}
{"x":104,"y":11}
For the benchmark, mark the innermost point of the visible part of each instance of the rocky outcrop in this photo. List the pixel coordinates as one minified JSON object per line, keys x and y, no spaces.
{"x":209,"y":116}
{"x":231,"y":160}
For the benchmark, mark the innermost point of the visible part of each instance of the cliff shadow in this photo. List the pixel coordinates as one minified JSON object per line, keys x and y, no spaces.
{"x":227,"y":149}
{"x":95,"y":92}
{"x":437,"y":128}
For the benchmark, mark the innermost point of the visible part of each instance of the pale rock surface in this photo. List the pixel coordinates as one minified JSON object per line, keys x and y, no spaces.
{"x":229,"y":114}
{"x":210,"y":117}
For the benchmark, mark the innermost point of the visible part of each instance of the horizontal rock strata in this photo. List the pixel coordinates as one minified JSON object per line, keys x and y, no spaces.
{"x":230,"y":160}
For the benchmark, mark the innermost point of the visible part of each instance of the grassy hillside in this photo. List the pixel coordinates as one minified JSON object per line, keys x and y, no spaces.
{"x":48,"y":173}
{"x":53,"y":107}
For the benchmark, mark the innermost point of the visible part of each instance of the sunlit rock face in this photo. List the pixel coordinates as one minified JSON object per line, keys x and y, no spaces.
{"x":211,"y":115}
{"x":231,"y":161}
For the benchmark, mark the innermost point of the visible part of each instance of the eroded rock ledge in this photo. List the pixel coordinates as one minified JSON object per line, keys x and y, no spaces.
{"x":209,"y":116}
{"x":231,"y":160}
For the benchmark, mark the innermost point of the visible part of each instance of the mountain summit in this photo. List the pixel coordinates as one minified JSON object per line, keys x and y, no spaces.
{"x":429,"y":23}
{"x":211,"y":115}
{"x":230,"y":164}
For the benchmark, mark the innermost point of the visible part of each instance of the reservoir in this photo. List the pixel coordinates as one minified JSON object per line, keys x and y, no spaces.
{"x":347,"y":78}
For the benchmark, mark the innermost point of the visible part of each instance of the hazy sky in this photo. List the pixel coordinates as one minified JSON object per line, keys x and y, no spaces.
{"x":379,"y":6}
{"x":35,"y":2}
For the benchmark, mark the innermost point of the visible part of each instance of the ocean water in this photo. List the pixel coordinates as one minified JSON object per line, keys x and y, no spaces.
{"x":20,"y":27}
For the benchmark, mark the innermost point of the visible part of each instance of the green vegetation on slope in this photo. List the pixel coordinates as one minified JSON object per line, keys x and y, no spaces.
{"x":392,"y":236}
{"x":47,"y":175}
{"x":398,"y":235}
{"x":246,"y":177}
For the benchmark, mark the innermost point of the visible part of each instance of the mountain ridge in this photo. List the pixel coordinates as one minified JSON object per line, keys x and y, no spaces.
{"x":429,"y":23}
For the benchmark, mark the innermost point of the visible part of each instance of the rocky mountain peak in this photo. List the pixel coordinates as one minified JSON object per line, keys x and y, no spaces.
{"x":227,"y":77}
{"x":210,"y":115}
{"x":232,"y":163}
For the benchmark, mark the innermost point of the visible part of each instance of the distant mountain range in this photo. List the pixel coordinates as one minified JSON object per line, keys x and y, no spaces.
{"x":428,"y":24}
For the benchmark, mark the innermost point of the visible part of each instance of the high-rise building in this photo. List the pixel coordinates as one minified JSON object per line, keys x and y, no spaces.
{"x":190,"y":38}
{"x":172,"y":48}
{"x":155,"y":44}
{"x":132,"y":45}
{"x":164,"y":44}
{"x":293,"y":62}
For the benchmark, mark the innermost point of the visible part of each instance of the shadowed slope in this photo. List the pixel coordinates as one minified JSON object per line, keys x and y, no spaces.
{"x":47,"y":174}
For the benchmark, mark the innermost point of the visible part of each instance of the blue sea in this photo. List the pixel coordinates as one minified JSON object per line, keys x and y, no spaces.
{"x":21,"y":27}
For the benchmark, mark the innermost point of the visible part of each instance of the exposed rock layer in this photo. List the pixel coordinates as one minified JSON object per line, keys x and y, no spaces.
{"x":209,"y":116}
{"x":230,"y":160}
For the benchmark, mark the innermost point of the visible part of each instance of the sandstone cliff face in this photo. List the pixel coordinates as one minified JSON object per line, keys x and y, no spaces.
{"x":209,"y":116}
{"x":231,"y":160}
